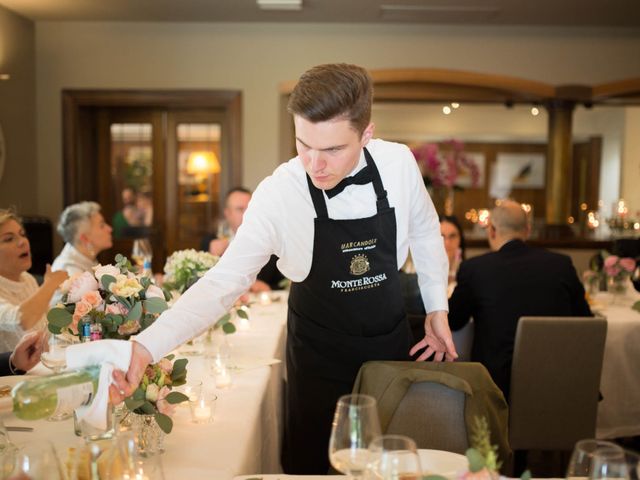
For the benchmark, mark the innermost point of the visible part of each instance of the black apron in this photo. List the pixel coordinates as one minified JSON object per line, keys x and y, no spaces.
{"x":347,"y":311}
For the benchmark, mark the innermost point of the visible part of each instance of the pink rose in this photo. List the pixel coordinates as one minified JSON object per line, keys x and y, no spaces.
{"x":166,"y":366}
{"x":628,"y":264}
{"x":79,"y":285}
{"x":154,"y":291}
{"x":117,"y":309}
{"x":164,"y":406}
{"x":82,"y":308}
{"x":93,"y":297}
{"x":610,"y":261}
{"x":612,"y":270}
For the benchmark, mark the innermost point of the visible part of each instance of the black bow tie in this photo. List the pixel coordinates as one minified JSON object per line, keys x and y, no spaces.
{"x":363,"y":177}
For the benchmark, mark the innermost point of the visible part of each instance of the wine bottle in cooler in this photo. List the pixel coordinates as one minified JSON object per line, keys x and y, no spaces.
{"x":43,"y":397}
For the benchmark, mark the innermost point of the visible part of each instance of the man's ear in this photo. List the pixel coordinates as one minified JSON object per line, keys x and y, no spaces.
{"x":367,"y":134}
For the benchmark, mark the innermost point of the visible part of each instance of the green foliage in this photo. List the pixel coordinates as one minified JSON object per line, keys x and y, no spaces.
{"x":636,"y":306}
{"x":242,"y":313}
{"x":155,"y":305}
{"x":136,"y":312}
{"x":107,"y":280}
{"x":476,"y":460}
{"x":526,"y":475}
{"x":481,"y":443}
{"x":176,"y":397}
{"x":59,"y":317}
{"x":164,"y":422}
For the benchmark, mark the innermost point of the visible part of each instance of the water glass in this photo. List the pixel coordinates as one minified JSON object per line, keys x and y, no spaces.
{"x":581,"y":462}
{"x":36,"y":460}
{"x":355,"y":425}
{"x":55,"y":358}
{"x":394,"y":457}
{"x":616,"y":464}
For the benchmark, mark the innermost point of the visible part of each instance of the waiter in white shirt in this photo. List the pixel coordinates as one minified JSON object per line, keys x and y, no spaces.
{"x":341,"y":241}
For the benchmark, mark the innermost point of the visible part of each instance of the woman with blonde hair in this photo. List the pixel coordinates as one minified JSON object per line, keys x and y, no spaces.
{"x":86,"y":234}
{"x":22,"y":303}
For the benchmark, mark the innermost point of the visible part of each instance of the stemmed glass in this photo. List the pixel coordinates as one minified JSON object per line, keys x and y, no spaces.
{"x":581,"y":463}
{"x":394,"y":457}
{"x":615,"y":463}
{"x":55,"y":358}
{"x":355,"y":425}
{"x":36,"y":460}
{"x":141,"y":253}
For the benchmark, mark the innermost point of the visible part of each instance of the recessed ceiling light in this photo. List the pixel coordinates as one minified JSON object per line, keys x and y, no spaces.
{"x":4,"y":76}
{"x":280,"y":4}
{"x":446,"y":109}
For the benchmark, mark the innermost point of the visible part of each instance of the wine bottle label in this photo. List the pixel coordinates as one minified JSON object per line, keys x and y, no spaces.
{"x":73,"y":396}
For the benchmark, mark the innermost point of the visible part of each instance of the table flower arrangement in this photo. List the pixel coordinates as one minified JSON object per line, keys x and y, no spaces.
{"x":618,"y":271}
{"x":184,"y":268}
{"x":112,"y":301}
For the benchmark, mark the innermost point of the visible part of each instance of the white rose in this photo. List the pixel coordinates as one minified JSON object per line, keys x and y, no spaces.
{"x":153,"y":291}
{"x":152,"y":392}
{"x":101,"y":270}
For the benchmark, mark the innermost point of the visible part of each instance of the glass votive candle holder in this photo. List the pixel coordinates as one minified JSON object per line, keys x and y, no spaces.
{"x":223,"y":377}
{"x":191,"y":390}
{"x":203,"y":407}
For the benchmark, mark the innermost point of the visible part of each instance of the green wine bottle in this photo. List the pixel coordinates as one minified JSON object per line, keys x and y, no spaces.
{"x":53,"y":395}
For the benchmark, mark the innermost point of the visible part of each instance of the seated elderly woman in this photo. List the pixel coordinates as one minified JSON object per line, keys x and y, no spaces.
{"x":86,"y":234}
{"x":22,"y":303}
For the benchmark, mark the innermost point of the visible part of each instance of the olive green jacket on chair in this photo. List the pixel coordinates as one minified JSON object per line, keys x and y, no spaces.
{"x":388,"y":382}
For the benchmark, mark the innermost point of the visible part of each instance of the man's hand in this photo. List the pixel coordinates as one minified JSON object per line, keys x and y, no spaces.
{"x":28,"y":350}
{"x":126,"y":385}
{"x":437,"y":339}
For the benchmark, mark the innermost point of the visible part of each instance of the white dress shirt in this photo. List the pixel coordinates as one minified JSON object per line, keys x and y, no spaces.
{"x":12,"y":294}
{"x":280,"y":221}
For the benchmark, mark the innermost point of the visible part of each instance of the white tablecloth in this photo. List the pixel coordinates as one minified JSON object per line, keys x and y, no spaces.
{"x":245,"y":435}
{"x":619,"y":410}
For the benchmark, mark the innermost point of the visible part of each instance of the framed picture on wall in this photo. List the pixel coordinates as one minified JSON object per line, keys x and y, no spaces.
{"x":467,"y":178}
{"x":517,"y":171}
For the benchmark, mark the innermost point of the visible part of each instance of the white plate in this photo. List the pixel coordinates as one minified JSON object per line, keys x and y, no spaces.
{"x":439,"y":462}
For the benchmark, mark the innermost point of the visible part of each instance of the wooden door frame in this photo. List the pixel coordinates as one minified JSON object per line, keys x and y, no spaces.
{"x":81,"y":169}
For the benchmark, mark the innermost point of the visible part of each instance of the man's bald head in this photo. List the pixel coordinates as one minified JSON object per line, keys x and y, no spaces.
{"x":509,"y":221}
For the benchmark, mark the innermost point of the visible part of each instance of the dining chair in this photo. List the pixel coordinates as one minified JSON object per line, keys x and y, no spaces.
{"x":462,"y":339}
{"x":435,"y":403}
{"x":555,"y":378}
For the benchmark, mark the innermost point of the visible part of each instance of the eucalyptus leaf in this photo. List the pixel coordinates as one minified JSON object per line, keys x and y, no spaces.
{"x":155,"y":305}
{"x":164,"y":422}
{"x":107,"y":280}
{"x":53,"y":329}
{"x":636,"y":306}
{"x":138,"y":394}
{"x":223,"y":319}
{"x":526,"y":475}
{"x":59,"y":317}
{"x":132,"y":404}
{"x":241,"y":312}
{"x":476,"y":460}
{"x":176,"y":397}
{"x":136,"y":312}
{"x":171,"y":356}
{"x":146,"y":321}
{"x":148,"y":408}
{"x":179,"y":368}
{"x":228,"y":328}
{"x":434,"y":477}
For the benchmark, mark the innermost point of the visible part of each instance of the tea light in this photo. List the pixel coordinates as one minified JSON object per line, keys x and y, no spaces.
{"x":202,"y":412}
{"x":592,"y":220}
{"x":223,"y":378}
{"x":243,"y":324}
{"x":264,"y":298}
{"x":483,"y":217}
{"x":202,"y":408}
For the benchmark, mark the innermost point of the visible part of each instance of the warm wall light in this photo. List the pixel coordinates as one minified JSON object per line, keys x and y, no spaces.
{"x":4,"y":76}
{"x":203,"y":163}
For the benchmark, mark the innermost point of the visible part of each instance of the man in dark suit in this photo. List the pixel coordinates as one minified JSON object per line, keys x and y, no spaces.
{"x":512,"y":281}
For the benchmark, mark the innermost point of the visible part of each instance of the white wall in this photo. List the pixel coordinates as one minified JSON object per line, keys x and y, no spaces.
{"x":255,"y":58}
{"x":631,"y":161}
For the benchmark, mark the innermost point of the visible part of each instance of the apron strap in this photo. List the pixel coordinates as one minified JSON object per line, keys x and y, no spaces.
{"x":382,"y":202}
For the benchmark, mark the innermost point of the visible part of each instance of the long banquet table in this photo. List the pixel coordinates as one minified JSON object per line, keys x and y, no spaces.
{"x":244,"y":437}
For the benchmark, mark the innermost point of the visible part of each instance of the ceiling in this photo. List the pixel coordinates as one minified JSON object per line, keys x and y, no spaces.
{"x":575,"y":13}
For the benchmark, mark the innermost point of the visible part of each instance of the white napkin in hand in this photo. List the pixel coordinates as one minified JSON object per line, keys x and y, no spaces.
{"x":111,"y":354}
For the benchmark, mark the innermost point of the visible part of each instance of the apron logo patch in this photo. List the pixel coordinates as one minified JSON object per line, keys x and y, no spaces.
{"x":359,"y":265}
{"x":362,"y":283}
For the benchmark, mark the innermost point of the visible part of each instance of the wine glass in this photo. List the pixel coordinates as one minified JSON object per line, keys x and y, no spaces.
{"x":615,"y":463}
{"x":355,"y":425}
{"x":141,"y":254}
{"x":126,"y":462}
{"x":36,"y":460}
{"x":55,"y":358}
{"x":394,"y":457}
{"x":581,"y":462}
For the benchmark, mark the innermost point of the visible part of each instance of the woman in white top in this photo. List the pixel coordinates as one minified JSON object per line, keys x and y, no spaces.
{"x":86,"y":234}
{"x":22,"y":303}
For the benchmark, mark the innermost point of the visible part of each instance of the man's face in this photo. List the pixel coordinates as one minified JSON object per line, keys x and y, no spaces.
{"x":234,"y":209}
{"x":329,"y":150}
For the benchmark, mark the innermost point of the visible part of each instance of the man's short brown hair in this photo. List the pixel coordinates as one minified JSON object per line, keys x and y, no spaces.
{"x":334,"y":91}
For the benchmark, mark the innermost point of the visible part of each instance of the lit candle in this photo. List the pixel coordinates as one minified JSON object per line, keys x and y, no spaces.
{"x":483,"y":217}
{"x":202,"y":412}
{"x":265,"y":298}
{"x":243,"y":324}
{"x":223,"y":378}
